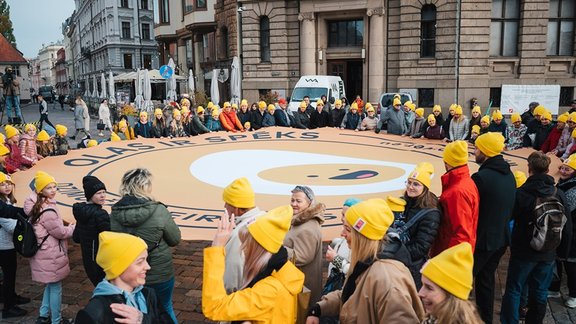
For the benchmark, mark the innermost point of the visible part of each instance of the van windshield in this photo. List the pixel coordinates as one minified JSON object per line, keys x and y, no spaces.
{"x":313,"y":93}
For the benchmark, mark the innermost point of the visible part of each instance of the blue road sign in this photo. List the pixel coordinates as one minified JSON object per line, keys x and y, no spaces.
{"x":166,"y":71}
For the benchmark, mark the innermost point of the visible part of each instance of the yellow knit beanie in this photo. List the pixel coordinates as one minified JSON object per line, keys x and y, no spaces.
{"x":419,"y":112}
{"x":475,"y":129}
{"x":239,"y":194}
{"x":423,"y":173}
{"x":270,"y":229}
{"x":114,"y":137}
{"x":563,"y":118}
{"x":4,"y":177}
{"x":42,"y":179}
{"x":539,"y":110}
{"x":244,"y":102}
{"x":303,"y":104}
{"x":261,"y":104}
{"x":4,"y":150}
{"x":491,"y":143}
{"x":456,"y":153}
{"x":437,"y":108}
{"x":122,"y":124}
{"x":476,"y":109}
{"x":485,"y":119}
{"x":452,"y":270}
{"x":354,"y":106}
{"x":458,"y":110}
{"x":176,"y":112}
{"x":396,"y":204}
{"x":546,"y":115}
{"x":520,"y":178}
{"x":117,"y":251}
{"x":11,"y":131}
{"x":571,"y":161}
{"x":397,"y":102}
{"x":29,"y":127}
{"x":410,"y":105}
{"x":143,"y":114}
{"x":371,"y":218}
{"x":574,"y":133}
{"x":370,"y":109}
{"x":61,"y":130}
{"x":157,"y":112}
{"x":338,"y":103}
{"x":43,"y":136}
{"x":92,"y":143}
{"x":497,"y":115}
{"x":271,"y":107}
{"x":515,"y":118}
{"x":431,"y":117}
{"x":199,"y":110}
{"x":226,"y":105}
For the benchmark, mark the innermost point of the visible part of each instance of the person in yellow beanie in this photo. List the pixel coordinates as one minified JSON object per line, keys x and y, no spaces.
{"x":498,"y":123}
{"x":474,"y":119}
{"x":433,"y":129}
{"x":352,"y":120}
{"x":244,"y":113}
{"x":229,"y":120}
{"x":270,"y":283}
{"x":240,"y":201}
{"x":338,"y":113}
{"x":497,"y":190}
{"x":61,"y":145}
{"x":474,"y":133}
{"x":447,"y":282}
{"x":459,"y":200}
{"x":14,"y":161}
{"x":143,"y":127}
{"x":50,"y":265}
{"x":415,"y":130}
{"x":437,"y":112}
{"x":459,"y":125}
{"x":515,"y":133}
{"x":122,"y":296}
{"x":92,"y":143}
{"x":418,"y":224}
{"x":542,"y":130}
{"x":268,"y":120}
{"x":114,"y":137}
{"x":27,"y":146}
{"x":370,"y":122}
{"x":44,"y":144}
{"x":176,"y":126}
{"x":551,"y":142}
{"x":396,"y":119}
{"x":304,"y":240}
{"x":137,"y":212}
{"x":484,"y":124}
{"x":122,"y":129}
{"x":566,"y":137}
{"x":319,"y":117}
{"x":159,"y":126}
{"x":375,"y":288}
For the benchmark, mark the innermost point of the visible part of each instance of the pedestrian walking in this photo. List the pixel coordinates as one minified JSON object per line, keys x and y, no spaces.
{"x":104,"y":116}
{"x":80,"y":117}
{"x":43,"y":108}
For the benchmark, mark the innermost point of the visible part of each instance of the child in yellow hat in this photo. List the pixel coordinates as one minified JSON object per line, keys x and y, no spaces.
{"x":44,"y":144}
{"x":447,"y":282}
{"x":271,"y":282}
{"x":515,"y":133}
{"x":27,"y":145}
{"x":61,"y":145}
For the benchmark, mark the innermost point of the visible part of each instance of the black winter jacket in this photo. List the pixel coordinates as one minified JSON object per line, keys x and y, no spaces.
{"x":569,"y":188}
{"x":91,"y":219}
{"x":497,"y":189}
{"x":538,"y":185}
{"x":301,"y":120}
{"x":423,"y":233}
{"x":256,"y":119}
{"x":542,"y":133}
{"x":98,"y":310}
{"x":337,"y":116}
{"x":320,"y":119}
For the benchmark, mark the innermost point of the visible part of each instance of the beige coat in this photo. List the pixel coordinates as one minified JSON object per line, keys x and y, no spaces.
{"x":304,"y":243}
{"x":385,"y":293}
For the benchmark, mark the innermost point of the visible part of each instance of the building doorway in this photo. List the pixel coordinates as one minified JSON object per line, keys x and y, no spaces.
{"x":351,"y":73}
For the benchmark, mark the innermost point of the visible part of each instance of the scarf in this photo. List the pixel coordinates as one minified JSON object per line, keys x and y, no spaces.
{"x":135,"y":298}
{"x":350,"y":284}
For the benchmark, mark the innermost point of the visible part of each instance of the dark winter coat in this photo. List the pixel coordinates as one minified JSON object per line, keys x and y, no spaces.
{"x":497,"y":188}
{"x":256,"y":119}
{"x":538,"y":185}
{"x":151,"y":221}
{"x":436,"y":132}
{"x":439,"y":121}
{"x":244,"y":116}
{"x":159,"y":130}
{"x":337,"y":116}
{"x":531,"y":128}
{"x":91,"y":220}
{"x":98,"y":310}
{"x":542,"y":133}
{"x":144,"y":130}
{"x":301,"y":120}
{"x":497,"y":128}
{"x":281,"y":118}
{"x":320,"y":119}
{"x":526,"y":117}
{"x":569,"y":188}
{"x":351,"y":121}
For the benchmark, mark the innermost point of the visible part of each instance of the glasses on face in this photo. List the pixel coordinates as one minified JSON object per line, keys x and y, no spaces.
{"x":5,"y":184}
{"x":413,"y":184}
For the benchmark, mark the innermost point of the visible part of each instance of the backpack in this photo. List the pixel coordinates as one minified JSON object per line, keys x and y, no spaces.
{"x":547,"y":224}
{"x":24,"y":238}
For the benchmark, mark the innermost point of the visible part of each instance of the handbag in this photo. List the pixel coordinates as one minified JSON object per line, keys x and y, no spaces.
{"x":302,"y":301}
{"x":100,"y":126}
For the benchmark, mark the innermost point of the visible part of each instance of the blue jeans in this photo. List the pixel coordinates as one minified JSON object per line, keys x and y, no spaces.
{"x":13,"y":100}
{"x":538,"y":276}
{"x":52,"y":301}
{"x":163,"y":292}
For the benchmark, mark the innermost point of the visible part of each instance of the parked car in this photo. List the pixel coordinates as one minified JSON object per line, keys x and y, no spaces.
{"x":315,"y":86}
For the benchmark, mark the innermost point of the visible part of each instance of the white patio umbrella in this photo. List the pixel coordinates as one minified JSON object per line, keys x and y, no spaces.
{"x":95,"y":83}
{"x":148,"y":105}
{"x":235,"y":81}
{"x":171,"y":83}
{"x":104,"y":93}
{"x":214,"y":92}
{"x":191,"y":85}
{"x":111,"y":89}
{"x":139,"y":100}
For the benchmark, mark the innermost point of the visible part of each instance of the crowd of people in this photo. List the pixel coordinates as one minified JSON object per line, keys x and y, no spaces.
{"x":408,"y":259}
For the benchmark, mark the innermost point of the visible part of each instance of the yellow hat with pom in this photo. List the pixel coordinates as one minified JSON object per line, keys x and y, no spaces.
{"x":452,"y":270}
{"x":117,"y":251}
{"x":41,"y":180}
{"x":485,"y":119}
{"x":371,"y":218}
{"x":396,"y":102}
{"x":43,"y":136}
{"x":396,"y":204}
{"x":370,"y":109}
{"x":270,"y":229}
{"x":354,"y":106}
{"x":11,"y":131}
{"x":61,"y":130}
{"x":456,"y":153}
{"x":423,"y":173}
{"x":458,"y":110}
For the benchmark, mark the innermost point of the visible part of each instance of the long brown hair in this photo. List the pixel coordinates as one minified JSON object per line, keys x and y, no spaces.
{"x":456,"y":311}
{"x":9,"y":198}
{"x":427,"y":199}
{"x":37,"y":208}
{"x":255,"y":256}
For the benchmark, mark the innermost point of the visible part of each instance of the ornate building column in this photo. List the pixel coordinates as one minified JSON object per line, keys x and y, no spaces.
{"x":376,"y":53}
{"x":307,"y":43}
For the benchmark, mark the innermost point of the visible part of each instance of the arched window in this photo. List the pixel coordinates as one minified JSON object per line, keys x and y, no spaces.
{"x":264,"y":39}
{"x":428,"y":31}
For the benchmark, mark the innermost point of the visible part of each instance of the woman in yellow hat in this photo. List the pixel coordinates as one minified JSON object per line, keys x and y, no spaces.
{"x":271,"y":283}
{"x":50,"y":264}
{"x":418,"y":225}
{"x":244,"y":113}
{"x":446,"y":285}
{"x":475,"y":119}
{"x":376,"y":290}
{"x":176,"y":128}
{"x":159,"y":128}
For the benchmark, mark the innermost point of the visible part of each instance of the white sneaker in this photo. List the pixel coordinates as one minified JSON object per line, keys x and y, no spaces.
{"x":571,"y":302}
{"x":554,"y":294}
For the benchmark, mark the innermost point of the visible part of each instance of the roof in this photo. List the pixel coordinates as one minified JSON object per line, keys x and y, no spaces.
{"x":8,"y":53}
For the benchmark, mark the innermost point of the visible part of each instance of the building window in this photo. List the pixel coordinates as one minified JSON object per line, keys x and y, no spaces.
{"x":145,"y":31}
{"x":188,"y":43}
{"x":164,"y":14}
{"x":128,"y":61}
{"x":566,"y":96}
{"x":147,"y":61}
{"x":144,"y":4}
{"x":504,"y":27}
{"x":346,"y":33}
{"x":224,"y":42}
{"x":264,"y":39}
{"x":562,"y":15}
{"x":126,"y":30}
{"x":495,"y":96}
{"x":16,"y":69}
{"x":187,"y":6}
{"x":200,"y":4}
{"x":124,"y":3}
{"x":428,"y":31}
{"x":426,"y":98}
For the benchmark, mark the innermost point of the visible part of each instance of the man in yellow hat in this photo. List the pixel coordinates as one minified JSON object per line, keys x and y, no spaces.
{"x":497,"y":188}
{"x":498,"y":123}
{"x":320,"y":118}
{"x":394,"y":119}
{"x":459,"y":200}
{"x":239,"y":200}
{"x":533,"y":125}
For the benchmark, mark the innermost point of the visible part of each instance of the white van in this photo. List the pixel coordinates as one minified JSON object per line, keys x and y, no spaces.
{"x":315,"y":86}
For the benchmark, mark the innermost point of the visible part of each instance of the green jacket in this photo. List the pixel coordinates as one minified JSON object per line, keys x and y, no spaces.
{"x":151,"y":221}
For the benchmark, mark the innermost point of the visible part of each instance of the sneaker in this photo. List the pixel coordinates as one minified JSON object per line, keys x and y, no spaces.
{"x":571,"y":302}
{"x":20,"y":300}
{"x":554,"y":294}
{"x":43,"y":320}
{"x":15,"y":311}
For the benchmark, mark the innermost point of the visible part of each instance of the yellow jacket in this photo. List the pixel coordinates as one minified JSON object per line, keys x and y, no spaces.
{"x":270,"y":300}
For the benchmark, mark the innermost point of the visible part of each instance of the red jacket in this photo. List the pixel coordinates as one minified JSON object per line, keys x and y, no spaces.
{"x":552,"y":140}
{"x":460,"y":203}
{"x":14,"y":160}
{"x":230,"y":121}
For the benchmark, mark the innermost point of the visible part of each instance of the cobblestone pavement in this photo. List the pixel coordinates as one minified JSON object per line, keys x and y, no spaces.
{"x":187,"y":296}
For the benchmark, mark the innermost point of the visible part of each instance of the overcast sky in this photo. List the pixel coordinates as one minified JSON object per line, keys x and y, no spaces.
{"x":38,"y":22}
